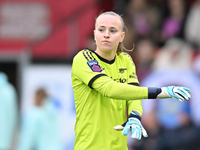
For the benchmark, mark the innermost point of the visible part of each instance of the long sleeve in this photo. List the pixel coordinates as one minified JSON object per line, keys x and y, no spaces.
{"x":135,"y":105}
{"x":115,"y":90}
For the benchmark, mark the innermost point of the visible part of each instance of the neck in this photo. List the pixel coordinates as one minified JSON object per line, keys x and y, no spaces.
{"x":108,"y":55}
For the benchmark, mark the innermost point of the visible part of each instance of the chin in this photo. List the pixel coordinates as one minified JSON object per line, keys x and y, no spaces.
{"x":107,"y":49}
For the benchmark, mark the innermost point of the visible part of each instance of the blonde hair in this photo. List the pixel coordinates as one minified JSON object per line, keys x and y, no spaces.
{"x":120,"y":47}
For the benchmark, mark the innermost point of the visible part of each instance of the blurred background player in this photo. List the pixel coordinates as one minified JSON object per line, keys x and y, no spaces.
{"x":40,"y":128}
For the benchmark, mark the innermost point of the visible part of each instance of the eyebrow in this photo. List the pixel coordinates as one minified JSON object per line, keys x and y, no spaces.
{"x":105,"y":27}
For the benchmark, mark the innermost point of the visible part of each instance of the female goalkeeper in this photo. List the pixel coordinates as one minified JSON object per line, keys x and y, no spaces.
{"x":105,"y":85}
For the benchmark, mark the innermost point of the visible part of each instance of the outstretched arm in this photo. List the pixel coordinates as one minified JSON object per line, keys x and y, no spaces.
{"x":112,"y":89}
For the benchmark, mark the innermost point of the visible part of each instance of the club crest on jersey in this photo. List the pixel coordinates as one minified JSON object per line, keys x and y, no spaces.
{"x":121,"y":70}
{"x":94,"y":66}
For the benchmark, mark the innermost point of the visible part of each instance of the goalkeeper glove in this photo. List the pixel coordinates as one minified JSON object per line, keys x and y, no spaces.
{"x":134,"y":125}
{"x":177,"y":92}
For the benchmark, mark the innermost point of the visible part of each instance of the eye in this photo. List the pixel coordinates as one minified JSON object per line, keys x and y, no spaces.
{"x":101,"y":30}
{"x":112,"y":31}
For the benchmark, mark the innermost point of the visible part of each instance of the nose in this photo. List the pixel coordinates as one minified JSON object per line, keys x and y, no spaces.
{"x":106,"y":35}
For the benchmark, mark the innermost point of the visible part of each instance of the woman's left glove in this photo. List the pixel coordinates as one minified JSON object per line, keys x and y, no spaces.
{"x":133,"y":124}
{"x":177,"y":92}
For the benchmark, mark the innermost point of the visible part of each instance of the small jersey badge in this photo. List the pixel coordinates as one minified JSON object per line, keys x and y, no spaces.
{"x":94,"y":66}
{"x":121,"y":70}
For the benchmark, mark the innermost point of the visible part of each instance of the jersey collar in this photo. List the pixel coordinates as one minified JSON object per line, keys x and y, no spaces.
{"x":103,"y":59}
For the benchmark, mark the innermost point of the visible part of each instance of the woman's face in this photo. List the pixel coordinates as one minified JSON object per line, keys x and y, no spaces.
{"x":108,"y":33}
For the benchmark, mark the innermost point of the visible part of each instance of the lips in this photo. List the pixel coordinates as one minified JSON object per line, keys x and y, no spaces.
{"x":105,"y":41}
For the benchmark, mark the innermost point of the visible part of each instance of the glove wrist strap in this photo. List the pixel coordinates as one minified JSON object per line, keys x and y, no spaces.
{"x":135,"y":114}
{"x":163,"y":94}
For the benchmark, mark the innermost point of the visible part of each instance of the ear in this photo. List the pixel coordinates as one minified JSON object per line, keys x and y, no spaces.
{"x":94,"y":35}
{"x":122,"y":36}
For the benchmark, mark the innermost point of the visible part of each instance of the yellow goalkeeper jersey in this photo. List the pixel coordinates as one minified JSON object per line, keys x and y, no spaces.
{"x":96,"y":113}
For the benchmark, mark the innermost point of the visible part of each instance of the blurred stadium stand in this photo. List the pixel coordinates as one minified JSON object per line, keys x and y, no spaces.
{"x":46,"y":28}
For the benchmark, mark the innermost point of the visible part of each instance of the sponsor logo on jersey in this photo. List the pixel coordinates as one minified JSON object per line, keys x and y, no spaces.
{"x":133,"y":75}
{"x":121,"y":70}
{"x":119,"y":80}
{"x":94,"y":66}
